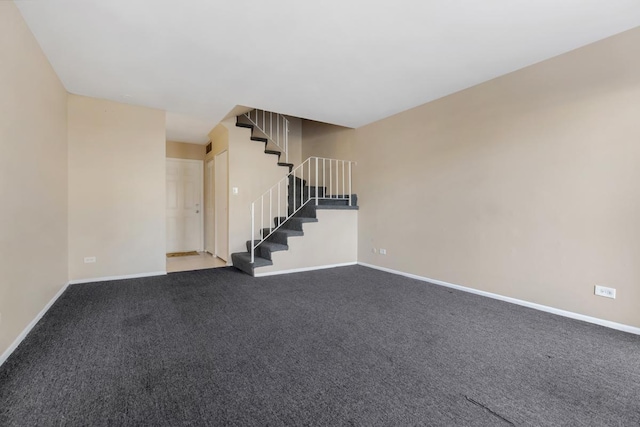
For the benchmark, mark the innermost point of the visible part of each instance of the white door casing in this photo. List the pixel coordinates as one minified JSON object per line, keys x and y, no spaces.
{"x":221,"y":206}
{"x":184,"y":205}
{"x":209,"y":212}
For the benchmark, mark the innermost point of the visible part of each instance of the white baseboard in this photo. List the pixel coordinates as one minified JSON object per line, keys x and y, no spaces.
{"x":126,"y":276}
{"x":300,"y":270}
{"x":25,"y":331}
{"x":569,"y":314}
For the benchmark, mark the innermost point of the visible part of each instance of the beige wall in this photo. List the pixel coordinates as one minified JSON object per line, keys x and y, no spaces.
{"x":219,"y":137}
{"x":116,"y":188}
{"x":253,"y":172}
{"x":328,"y":141}
{"x":184,"y":150}
{"x":33,"y":178}
{"x":525,"y":186}
{"x":295,"y":141}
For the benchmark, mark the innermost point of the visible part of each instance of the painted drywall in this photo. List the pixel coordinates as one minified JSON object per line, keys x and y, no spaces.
{"x":183,"y":150}
{"x":333,"y":240}
{"x":295,"y":141}
{"x":33,"y":178}
{"x":219,"y":137}
{"x":252,"y":172}
{"x":326,"y":140}
{"x":116,"y":188}
{"x":525,"y":186}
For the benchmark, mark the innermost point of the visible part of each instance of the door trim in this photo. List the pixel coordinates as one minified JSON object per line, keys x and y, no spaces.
{"x":216,"y":233}
{"x":209,"y":195}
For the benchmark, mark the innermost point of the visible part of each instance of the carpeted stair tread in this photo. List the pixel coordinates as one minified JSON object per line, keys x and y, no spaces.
{"x":242,"y":261}
{"x":267,"y":245}
{"x":277,"y":153}
{"x":337,"y":207}
{"x":287,"y":231}
{"x":290,"y":165}
{"x":265,"y":248}
{"x":244,"y":125}
{"x":281,"y":235}
{"x":259,"y":138}
{"x":337,"y":201}
{"x":296,"y":219}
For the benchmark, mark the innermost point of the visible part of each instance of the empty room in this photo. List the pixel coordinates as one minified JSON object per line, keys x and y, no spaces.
{"x":351,"y":213}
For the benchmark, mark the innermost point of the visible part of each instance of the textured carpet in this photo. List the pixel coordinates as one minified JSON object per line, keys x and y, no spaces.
{"x":346,"y":346}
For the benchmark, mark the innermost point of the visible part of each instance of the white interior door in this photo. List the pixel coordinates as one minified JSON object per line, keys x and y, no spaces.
{"x":209,"y":213}
{"x":184,"y":205}
{"x":221,"y":206}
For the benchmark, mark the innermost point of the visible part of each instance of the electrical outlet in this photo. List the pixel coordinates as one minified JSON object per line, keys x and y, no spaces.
{"x":373,"y":250}
{"x":89,"y":259}
{"x":383,"y":251}
{"x":605,"y":292}
{"x":234,"y":190}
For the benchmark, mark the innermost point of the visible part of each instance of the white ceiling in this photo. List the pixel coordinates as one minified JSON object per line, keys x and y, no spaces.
{"x":347,"y":62}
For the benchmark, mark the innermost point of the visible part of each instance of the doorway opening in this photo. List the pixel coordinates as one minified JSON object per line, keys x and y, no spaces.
{"x":190,"y":231}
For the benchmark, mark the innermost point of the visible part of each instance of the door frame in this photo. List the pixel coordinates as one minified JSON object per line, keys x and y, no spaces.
{"x":211,"y":206}
{"x":215,"y":213}
{"x":200,"y":163}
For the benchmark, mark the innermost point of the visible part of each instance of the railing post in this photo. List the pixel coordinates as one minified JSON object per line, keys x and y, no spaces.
{"x":270,"y":213}
{"x":253,"y":222}
{"x":286,"y":139}
{"x":309,"y":181}
{"x":324,"y":177}
{"x":330,"y":176}
{"x":343,"y":188}
{"x":317,"y":188}
{"x":350,"y":184}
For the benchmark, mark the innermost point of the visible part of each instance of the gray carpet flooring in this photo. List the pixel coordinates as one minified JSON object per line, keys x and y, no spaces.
{"x":346,"y":346}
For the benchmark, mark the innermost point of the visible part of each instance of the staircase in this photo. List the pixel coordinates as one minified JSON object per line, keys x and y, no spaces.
{"x":281,"y":212}
{"x":275,"y":139}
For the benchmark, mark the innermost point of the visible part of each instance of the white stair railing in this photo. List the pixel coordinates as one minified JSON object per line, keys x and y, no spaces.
{"x":315,"y":179}
{"x":274,"y":126}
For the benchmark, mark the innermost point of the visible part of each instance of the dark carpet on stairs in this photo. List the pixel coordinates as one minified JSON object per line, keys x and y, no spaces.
{"x":346,"y":346}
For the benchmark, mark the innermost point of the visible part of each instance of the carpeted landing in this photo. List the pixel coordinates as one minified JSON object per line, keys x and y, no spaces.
{"x":346,"y":346}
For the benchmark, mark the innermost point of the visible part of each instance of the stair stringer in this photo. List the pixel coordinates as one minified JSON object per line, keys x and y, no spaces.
{"x":331,"y":241}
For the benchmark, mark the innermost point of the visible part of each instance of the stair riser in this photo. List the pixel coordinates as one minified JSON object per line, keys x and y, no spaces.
{"x":294,"y":225}
{"x":307,"y":211}
{"x":281,"y":238}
